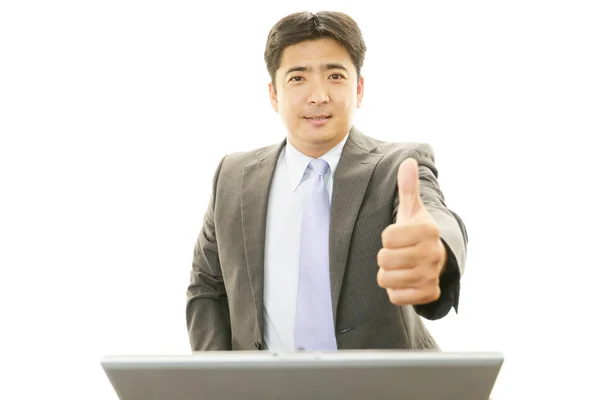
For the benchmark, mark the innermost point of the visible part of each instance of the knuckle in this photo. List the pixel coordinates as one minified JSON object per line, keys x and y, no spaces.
{"x":424,"y":297}
{"x":380,"y":257}
{"x":389,"y":236}
{"x":435,"y":254}
{"x":426,"y":253}
{"x":434,"y":230}
{"x":430,"y":251}
{"x":429,"y":283}
{"x":395,"y":298}
{"x":384,"y":258}
{"x":433,"y":294}
{"x":385,"y":237}
{"x":381,"y":278}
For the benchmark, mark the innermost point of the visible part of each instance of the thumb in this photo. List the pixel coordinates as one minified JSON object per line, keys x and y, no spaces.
{"x":408,"y":190}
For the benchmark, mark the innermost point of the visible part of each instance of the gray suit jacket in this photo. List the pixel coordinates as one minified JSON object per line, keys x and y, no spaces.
{"x":225,"y":296}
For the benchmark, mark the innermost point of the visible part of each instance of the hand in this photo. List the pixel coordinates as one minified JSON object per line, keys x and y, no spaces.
{"x":413,"y":255}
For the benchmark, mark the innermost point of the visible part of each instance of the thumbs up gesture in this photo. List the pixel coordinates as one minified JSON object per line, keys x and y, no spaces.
{"x":413,"y":255}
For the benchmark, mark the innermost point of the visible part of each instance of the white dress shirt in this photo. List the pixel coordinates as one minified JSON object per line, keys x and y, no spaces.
{"x":282,"y":241}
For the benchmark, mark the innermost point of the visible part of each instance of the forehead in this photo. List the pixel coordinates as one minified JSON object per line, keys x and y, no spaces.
{"x":315,"y":52}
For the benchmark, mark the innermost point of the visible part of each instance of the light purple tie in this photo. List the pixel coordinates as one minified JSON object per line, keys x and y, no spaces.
{"x":314,"y":313}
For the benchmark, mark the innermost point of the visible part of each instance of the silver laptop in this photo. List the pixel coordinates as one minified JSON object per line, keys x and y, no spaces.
{"x":346,"y":374}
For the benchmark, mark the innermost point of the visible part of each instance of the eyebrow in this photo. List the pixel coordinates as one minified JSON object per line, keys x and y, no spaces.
{"x":325,"y":67}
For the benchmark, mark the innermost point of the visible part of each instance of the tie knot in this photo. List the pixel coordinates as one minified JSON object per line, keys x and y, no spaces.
{"x":319,"y":166}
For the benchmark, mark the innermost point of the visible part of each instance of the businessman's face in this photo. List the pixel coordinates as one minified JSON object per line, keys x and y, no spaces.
{"x":316,"y":94}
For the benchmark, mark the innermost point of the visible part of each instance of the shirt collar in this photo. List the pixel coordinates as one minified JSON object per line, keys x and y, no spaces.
{"x":297,"y":162}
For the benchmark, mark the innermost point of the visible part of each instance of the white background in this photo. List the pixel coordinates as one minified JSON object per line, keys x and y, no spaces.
{"x":114,"y":114}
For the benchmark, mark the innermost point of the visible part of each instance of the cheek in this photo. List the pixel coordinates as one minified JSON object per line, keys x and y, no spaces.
{"x":346,"y":99}
{"x":292,"y":104}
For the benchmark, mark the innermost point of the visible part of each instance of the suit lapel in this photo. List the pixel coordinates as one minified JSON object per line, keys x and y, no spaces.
{"x":349,"y":187}
{"x":256,"y":185}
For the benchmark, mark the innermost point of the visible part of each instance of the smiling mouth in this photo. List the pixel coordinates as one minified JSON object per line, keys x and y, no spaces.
{"x":318,"y":121}
{"x":317,"y":118}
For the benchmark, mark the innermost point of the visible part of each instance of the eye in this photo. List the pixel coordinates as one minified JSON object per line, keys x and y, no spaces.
{"x":337,"y":77}
{"x":295,"y":79}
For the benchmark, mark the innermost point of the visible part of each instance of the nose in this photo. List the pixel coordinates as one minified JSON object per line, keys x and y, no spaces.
{"x":318,"y":95}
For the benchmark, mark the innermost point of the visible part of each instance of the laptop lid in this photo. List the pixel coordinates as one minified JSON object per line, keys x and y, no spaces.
{"x":347,"y":374}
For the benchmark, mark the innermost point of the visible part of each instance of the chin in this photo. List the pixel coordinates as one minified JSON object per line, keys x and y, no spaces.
{"x":317,"y":137}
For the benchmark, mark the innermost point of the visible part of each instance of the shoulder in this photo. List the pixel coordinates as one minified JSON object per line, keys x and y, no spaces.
{"x":232,"y":164}
{"x":411,"y":149}
{"x":394,"y":152}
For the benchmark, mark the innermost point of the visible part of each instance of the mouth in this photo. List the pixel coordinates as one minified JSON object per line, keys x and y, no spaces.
{"x":316,"y":116}
{"x":318,"y":120}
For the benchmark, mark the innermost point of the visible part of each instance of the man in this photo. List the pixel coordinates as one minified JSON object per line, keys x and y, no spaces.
{"x":330,"y":239}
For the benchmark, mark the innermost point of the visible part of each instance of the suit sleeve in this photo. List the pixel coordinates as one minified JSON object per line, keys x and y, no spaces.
{"x":453,"y":234}
{"x":207,"y":309}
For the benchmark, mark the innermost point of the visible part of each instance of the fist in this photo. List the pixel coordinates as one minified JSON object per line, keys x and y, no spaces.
{"x":413,"y":255}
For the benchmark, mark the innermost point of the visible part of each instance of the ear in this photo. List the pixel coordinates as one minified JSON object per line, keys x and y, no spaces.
{"x":273,"y":97}
{"x":360,"y":90}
